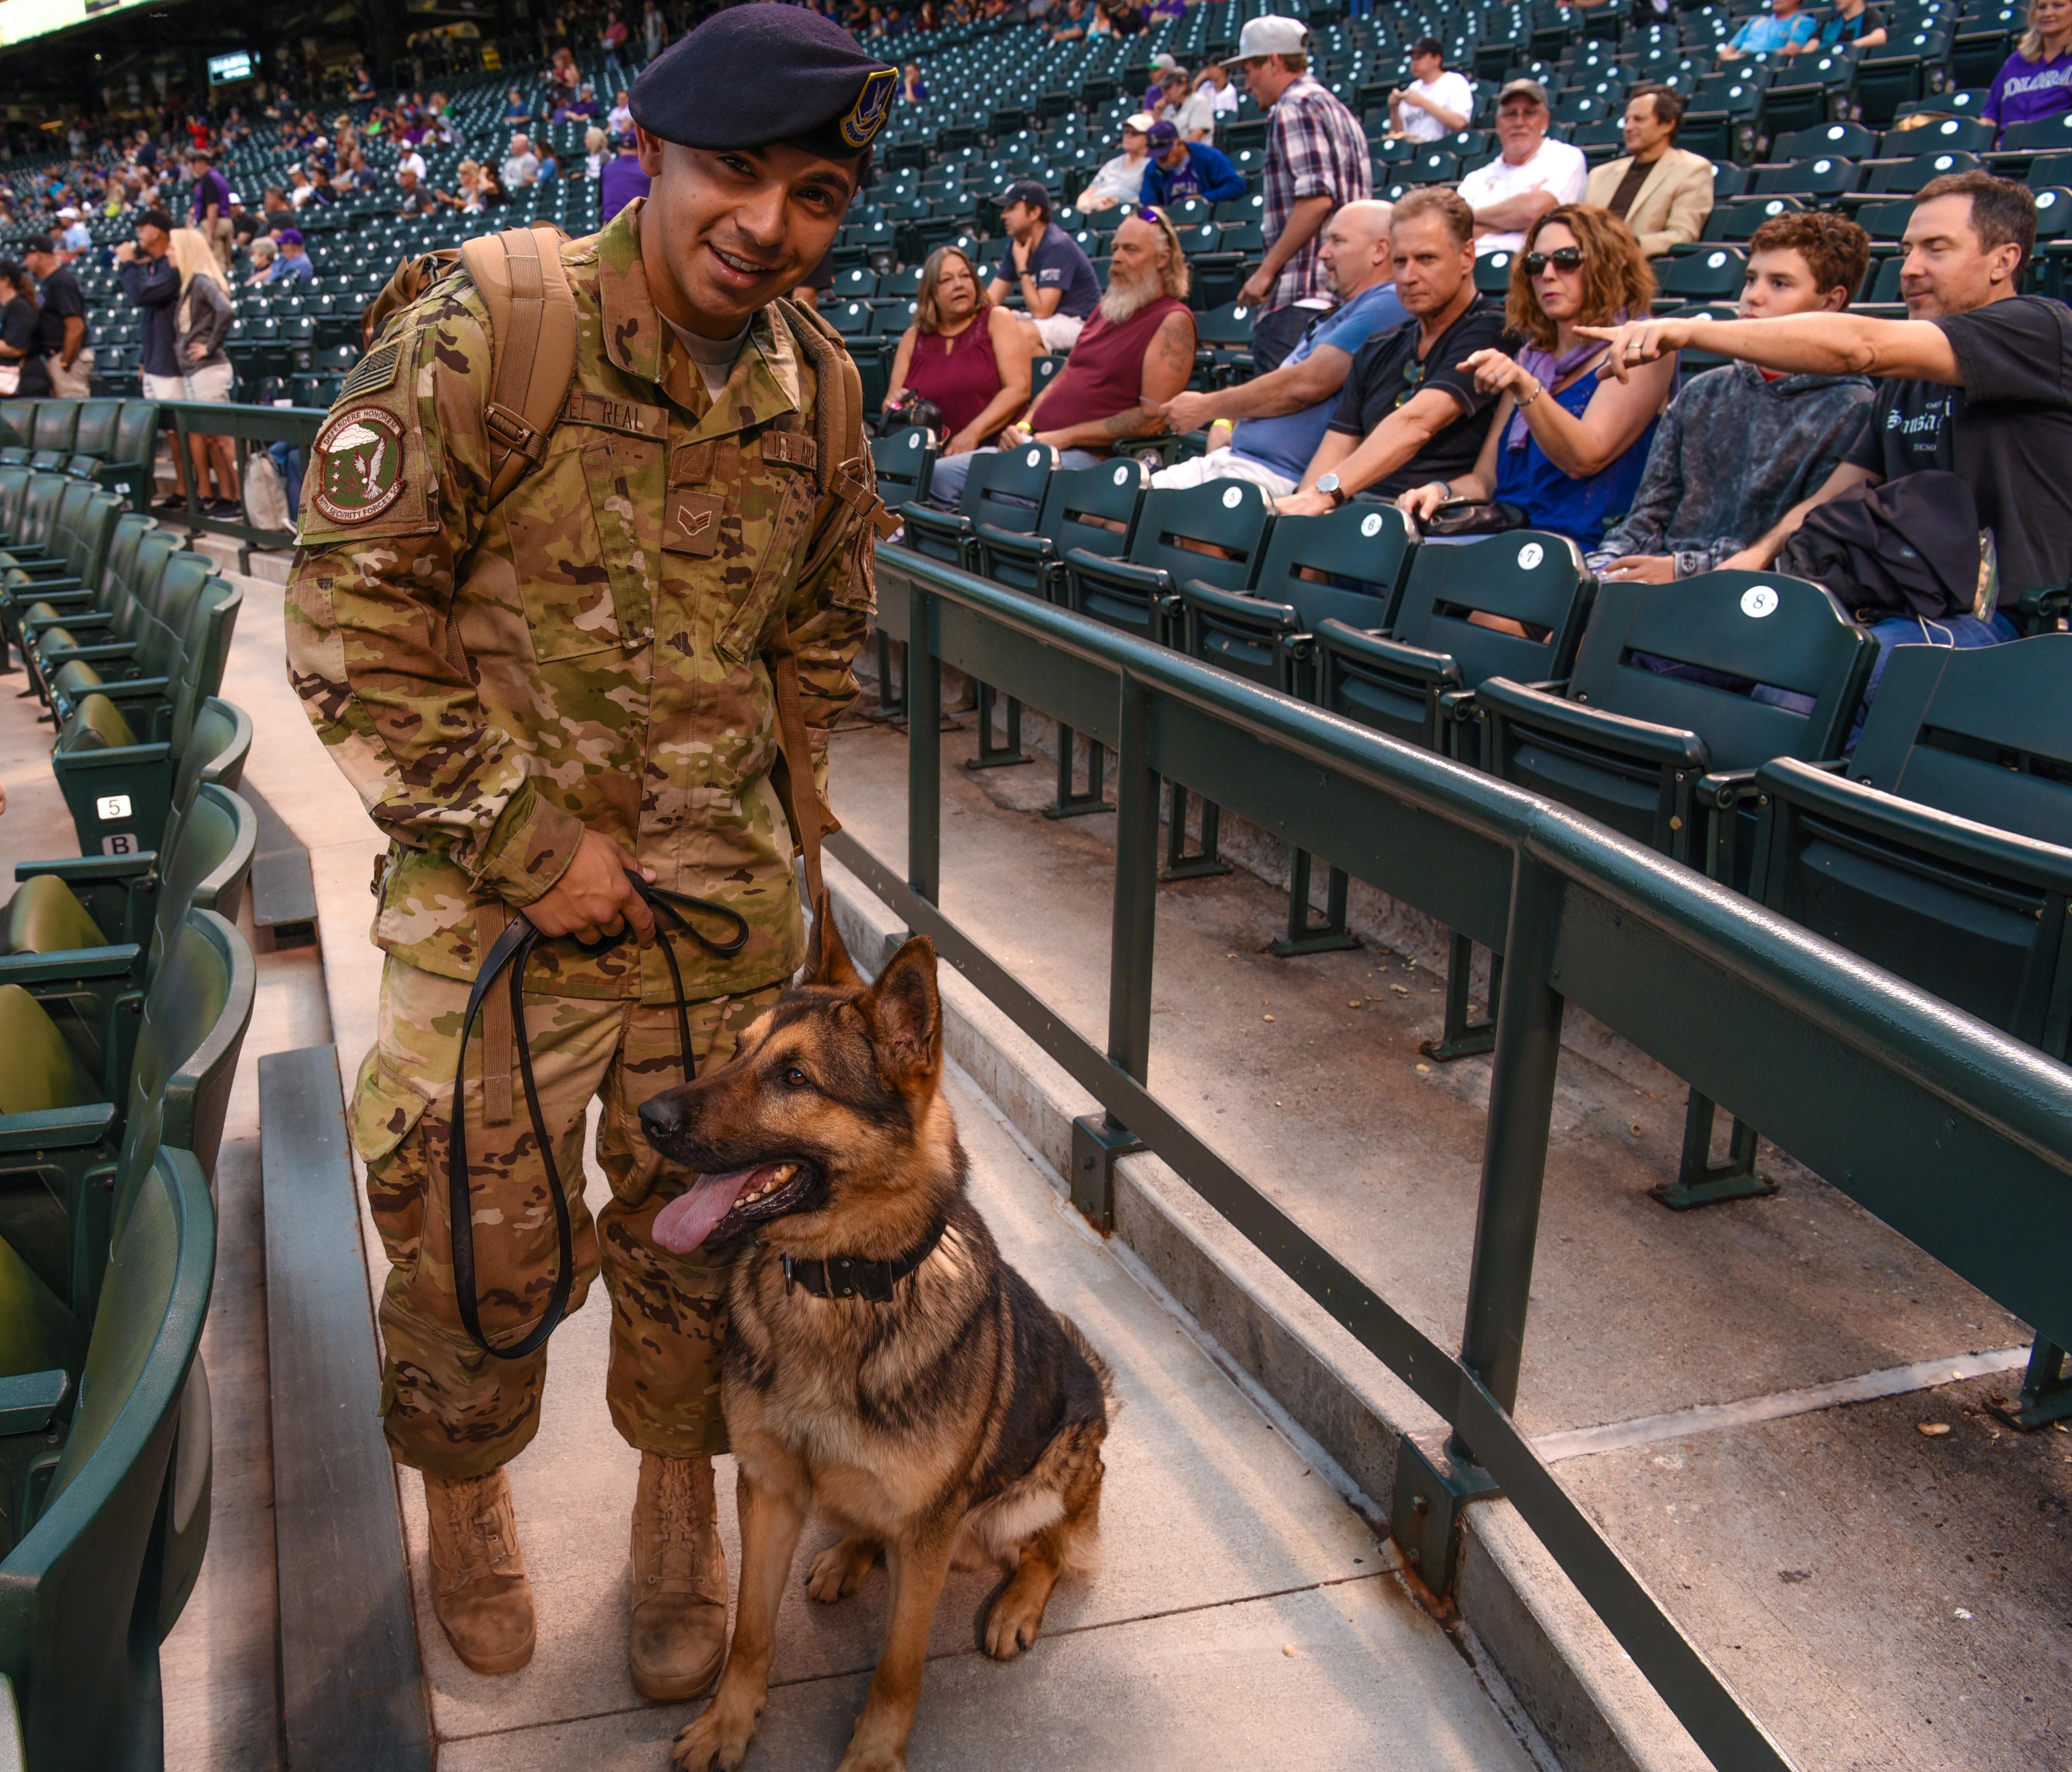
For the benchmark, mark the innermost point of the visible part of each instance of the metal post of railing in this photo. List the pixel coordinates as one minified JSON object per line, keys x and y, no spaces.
{"x":1521,"y":1107}
{"x":1099,"y":1140}
{"x":1135,"y":885}
{"x":924,"y":748}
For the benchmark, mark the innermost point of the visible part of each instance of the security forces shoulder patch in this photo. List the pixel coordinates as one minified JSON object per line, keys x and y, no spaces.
{"x":359,"y":465}
{"x":866,"y":117}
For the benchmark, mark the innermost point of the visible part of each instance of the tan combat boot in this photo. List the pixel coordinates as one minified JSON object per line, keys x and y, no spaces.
{"x":478,"y":1585}
{"x":679,"y":1580}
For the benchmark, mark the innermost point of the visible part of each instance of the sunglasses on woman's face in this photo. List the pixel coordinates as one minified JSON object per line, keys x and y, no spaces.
{"x":1562,"y":258}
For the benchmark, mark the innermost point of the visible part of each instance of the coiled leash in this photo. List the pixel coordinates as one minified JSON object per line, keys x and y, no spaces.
{"x":510,"y":952}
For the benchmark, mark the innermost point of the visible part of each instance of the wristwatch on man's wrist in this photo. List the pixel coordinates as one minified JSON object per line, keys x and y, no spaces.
{"x":1329,"y":485}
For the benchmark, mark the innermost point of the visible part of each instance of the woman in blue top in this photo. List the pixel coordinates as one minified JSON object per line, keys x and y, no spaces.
{"x":1564,"y":447}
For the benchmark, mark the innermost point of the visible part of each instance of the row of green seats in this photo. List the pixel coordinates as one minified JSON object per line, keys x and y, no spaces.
{"x":111,"y":441}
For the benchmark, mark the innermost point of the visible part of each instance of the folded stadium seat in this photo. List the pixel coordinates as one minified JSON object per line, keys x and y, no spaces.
{"x":1736,"y":221}
{"x":1884,"y":221}
{"x":2053,"y":260}
{"x":1889,"y":80}
{"x":1850,"y":140}
{"x":1943,"y":852}
{"x":146,"y":709}
{"x":856,"y":285}
{"x":1669,"y":759}
{"x":1721,"y":119}
{"x":1828,"y":176}
{"x":1932,"y":135}
{"x":1492,"y":273}
{"x":66,"y":1167}
{"x":127,"y":468}
{"x":86,"y":1567}
{"x":1897,"y":178}
{"x":32,"y":537}
{"x":2042,"y":135}
{"x":28,"y":604}
{"x":1348,"y":565}
{"x":55,"y":423}
{"x":17,"y":421}
{"x":904,"y":461}
{"x":1747,"y":666}
{"x":1214,"y":534}
{"x":1432,"y":167}
{"x":1716,"y":271}
{"x":14,"y":455}
{"x":1805,"y":94}
{"x":1089,"y":509}
{"x":852,"y":319}
{"x":1004,"y":489}
{"x":137,"y":639}
{"x":90,"y":970}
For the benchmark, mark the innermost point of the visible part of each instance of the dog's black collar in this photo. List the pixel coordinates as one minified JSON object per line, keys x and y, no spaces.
{"x":859,"y":1276}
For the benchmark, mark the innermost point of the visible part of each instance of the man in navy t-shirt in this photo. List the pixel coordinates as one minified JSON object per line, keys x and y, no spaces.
{"x":1059,"y":291}
{"x":1282,"y":416}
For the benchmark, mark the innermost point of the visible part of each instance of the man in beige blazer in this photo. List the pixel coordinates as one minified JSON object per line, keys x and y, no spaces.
{"x":1660,"y":191}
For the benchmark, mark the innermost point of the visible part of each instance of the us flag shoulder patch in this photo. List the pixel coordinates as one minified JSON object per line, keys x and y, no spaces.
{"x":373,"y":372}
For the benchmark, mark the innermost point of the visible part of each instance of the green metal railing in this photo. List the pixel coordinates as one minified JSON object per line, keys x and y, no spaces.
{"x":247,"y":427}
{"x":1956,"y":1136}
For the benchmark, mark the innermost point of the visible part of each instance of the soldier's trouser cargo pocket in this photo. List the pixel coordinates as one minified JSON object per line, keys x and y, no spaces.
{"x":447,"y":1407}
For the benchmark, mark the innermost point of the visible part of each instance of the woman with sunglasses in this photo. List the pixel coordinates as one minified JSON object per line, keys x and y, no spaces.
{"x":1565,"y":449}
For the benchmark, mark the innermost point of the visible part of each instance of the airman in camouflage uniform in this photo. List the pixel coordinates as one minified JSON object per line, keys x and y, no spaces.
{"x":533,"y":694}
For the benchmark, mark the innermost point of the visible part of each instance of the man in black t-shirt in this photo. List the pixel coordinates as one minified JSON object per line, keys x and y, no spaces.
{"x":1409,"y":414}
{"x":63,"y":342}
{"x":1977,"y":380}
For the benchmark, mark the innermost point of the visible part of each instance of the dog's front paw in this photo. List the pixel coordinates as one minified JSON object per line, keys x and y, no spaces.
{"x":1013,"y":1621}
{"x":861,"y":1758}
{"x":839,"y":1570}
{"x":717,"y":1742}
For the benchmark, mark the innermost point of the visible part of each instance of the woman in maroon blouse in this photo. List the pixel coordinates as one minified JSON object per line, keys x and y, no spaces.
{"x":972,"y":360}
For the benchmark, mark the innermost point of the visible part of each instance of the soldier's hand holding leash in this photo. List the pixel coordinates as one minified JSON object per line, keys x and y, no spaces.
{"x":594,"y":899}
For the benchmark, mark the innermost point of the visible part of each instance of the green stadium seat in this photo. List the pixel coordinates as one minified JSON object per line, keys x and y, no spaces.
{"x":81,"y":1636}
{"x":56,"y":420}
{"x":17,"y":421}
{"x":1348,"y":566}
{"x":1004,"y":488}
{"x":1212,"y":534}
{"x":1090,"y":509}
{"x":904,"y":461}
{"x":1667,"y":756}
{"x":68,"y":1169}
{"x":128,"y":467}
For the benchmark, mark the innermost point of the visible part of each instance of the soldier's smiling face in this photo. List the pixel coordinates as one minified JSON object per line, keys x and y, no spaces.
{"x":725,"y":230}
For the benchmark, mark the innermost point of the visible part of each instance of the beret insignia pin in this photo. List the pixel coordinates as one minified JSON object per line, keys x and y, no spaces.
{"x":866,"y":117}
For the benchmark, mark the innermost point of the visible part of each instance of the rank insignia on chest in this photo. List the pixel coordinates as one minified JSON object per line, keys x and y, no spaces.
{"x":692,"y":523}
{"x":359,"y":465}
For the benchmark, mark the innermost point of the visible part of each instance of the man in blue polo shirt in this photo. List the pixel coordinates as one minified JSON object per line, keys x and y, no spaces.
{"x":1281,"y":417}
{"x":1059,"y":291}
{"x":1176,"y":169}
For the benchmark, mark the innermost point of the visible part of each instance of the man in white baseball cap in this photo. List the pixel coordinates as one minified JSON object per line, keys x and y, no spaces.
{"x":1316,"y":160}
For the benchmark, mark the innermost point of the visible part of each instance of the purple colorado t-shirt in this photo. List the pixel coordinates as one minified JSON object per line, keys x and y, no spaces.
{"x":2023,"y":91}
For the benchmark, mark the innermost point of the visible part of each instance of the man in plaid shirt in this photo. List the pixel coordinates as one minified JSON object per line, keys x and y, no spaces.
{"x":1316,"y":160}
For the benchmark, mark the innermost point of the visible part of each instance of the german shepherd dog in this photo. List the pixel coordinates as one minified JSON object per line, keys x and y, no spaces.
{"x":886,"y":1369}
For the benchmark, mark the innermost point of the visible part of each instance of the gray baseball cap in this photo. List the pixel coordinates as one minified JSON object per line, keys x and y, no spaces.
{"x":1525,"y":88}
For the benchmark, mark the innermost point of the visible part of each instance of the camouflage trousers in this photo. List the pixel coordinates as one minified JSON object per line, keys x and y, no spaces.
{"x":448,"y":1408}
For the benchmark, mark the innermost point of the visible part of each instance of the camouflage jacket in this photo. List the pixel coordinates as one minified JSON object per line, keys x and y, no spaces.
{"x":586,"y":653}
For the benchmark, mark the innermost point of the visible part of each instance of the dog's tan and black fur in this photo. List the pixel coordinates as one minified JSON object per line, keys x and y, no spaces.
{"x":961,"y":1420}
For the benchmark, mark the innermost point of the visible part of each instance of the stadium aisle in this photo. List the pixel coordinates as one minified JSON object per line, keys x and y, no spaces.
{"x":1242,"y":1609}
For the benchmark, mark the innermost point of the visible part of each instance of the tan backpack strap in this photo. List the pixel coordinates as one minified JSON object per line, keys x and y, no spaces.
{"x":533,"y":330}
{"x":809,"y":813}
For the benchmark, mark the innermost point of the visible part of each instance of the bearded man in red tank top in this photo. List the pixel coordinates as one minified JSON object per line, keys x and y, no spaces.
{"x":1137,"y":352}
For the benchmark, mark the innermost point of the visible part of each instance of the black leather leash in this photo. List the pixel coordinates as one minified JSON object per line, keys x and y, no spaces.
{"x":510,"y":953}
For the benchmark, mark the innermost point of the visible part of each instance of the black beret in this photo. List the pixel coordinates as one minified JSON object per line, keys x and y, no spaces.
{"x":753,"y":75}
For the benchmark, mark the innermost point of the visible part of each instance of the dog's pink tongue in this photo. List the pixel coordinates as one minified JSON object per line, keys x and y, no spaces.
{"x":687,"y":1221}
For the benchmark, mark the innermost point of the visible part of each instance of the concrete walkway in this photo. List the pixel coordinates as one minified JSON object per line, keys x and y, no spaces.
{"x":1736,"y":1393}
{"x":1242,"y":1609}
